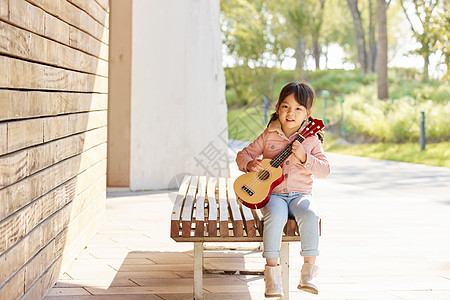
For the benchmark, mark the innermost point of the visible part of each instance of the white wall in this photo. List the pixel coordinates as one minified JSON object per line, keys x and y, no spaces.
{"x":178,"y":107}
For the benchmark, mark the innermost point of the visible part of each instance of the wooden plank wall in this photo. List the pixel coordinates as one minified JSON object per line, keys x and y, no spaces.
{"x":53,"y":131}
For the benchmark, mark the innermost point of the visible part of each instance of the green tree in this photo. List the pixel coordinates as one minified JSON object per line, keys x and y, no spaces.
{"x":315,"y":20}
{"x":314,"y":25}
{"x":254,"y":35}
{"x":427,"y":13}
{"x":243,"y":27}
{"x":360,"y":36}
{"x":337,"y":28}
{"x":364,"y":16}
{"x":298,"y":26}
{"x":443,"y":37}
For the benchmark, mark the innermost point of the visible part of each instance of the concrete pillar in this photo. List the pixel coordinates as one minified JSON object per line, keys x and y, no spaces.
{"x":177,"y":110}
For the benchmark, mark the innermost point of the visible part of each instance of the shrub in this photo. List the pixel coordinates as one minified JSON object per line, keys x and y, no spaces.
{"x":340,"y":82}
{"x":396,"y":120}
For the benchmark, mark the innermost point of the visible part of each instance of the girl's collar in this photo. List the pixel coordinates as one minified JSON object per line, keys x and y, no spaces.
{"x":276,"y":126}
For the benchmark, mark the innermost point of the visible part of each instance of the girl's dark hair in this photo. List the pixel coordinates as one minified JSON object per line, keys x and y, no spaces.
{"x":304,"y":95}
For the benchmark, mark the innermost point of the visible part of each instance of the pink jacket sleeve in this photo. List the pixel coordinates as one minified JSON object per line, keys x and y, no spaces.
{"x":249,"y":153}
{"x":316,"y":161}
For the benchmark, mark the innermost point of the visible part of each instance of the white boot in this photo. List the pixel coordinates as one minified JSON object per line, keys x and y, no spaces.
{"x":272,"y":278}
{"x":308,"y":282}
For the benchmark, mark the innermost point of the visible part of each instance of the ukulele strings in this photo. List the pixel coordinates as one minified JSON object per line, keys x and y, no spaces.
{"x":256,"y":181}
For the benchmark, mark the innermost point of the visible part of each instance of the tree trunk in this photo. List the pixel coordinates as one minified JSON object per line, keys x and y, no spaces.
{"x":300,"y":51}
{"x":424,"y":12}
{"x":316,"y":53}
{"x":359,"y":34}
{"x":382,"y":70}
{"x":372,"y":55}
{"x":316,"y":24}
{"x":447,"y":63}
{"x":425,"y":67}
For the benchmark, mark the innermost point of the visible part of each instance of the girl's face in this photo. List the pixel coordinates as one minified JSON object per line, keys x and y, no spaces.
{"x":291,"y":114}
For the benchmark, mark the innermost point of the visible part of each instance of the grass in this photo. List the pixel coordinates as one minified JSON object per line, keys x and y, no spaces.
{"x":246,"y":124}
{"x":437,"y":154}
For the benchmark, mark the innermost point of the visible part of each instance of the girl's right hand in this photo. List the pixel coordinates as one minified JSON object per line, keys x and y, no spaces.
{"x":255,"y":165}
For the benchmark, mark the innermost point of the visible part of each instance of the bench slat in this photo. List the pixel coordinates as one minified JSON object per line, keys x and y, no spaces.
{"x":223,"y":208}
{"x":186,"y":216}
{"x":177,"y":207}
{"x":212,"y":206}
{"x":257,"y":214}
{"x":249,"y":224}
{"x":238,"y":224}
{"x":202,"y":199}
{"x":232,"y":239}
{"x":249,"y":221}
{"x":200,"y":207}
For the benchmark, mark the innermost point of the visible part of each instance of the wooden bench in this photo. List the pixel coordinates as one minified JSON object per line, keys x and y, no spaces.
{"x":208,"y":211}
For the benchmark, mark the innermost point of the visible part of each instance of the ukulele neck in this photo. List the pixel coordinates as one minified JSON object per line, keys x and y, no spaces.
{"x":283,"y":155}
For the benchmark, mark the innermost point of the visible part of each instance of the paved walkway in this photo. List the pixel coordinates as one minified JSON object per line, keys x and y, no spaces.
{"x":386,"y":235}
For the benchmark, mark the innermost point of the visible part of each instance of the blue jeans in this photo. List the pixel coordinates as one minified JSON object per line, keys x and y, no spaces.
{"x":276,"y":212}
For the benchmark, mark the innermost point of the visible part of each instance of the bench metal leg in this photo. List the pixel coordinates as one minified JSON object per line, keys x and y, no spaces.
{"x":284,"y":260}
{"x":198,"y":270}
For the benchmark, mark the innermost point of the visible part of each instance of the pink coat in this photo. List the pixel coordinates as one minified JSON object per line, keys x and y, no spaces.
{"x":298,"y":177}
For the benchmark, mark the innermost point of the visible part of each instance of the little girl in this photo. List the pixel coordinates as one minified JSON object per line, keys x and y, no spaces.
{"x":291,"y":198}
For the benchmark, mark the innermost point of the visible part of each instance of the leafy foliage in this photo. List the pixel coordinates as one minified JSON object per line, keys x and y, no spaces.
{"x":365,"y":117}
{"x":340,"y":82}
{"x":431,"y":34}
{"x":396,"y":120}
{"x":435,"y":154}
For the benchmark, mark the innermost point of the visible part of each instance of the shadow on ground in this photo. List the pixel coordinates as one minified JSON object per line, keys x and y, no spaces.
{"x":163,"y":275}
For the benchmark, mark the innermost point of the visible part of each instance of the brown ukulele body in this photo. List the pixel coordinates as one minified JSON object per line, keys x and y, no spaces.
{"x":254,"y":188}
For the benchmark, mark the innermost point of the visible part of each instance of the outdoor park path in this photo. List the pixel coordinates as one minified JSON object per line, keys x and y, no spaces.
{"x":385,"y":235}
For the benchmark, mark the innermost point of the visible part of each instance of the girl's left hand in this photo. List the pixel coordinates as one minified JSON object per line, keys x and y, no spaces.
{"x":299,"y":151}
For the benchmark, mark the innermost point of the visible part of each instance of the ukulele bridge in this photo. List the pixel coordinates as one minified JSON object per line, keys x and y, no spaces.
{"x":248,"y":190}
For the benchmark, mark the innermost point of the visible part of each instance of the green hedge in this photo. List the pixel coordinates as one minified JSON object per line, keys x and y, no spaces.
{"x":365,"y":117}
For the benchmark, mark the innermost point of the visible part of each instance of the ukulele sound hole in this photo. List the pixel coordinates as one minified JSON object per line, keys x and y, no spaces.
{"x":263,"y":175}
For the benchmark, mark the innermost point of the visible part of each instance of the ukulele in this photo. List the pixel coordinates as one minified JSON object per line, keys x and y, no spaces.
{"x":253,"y":188}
